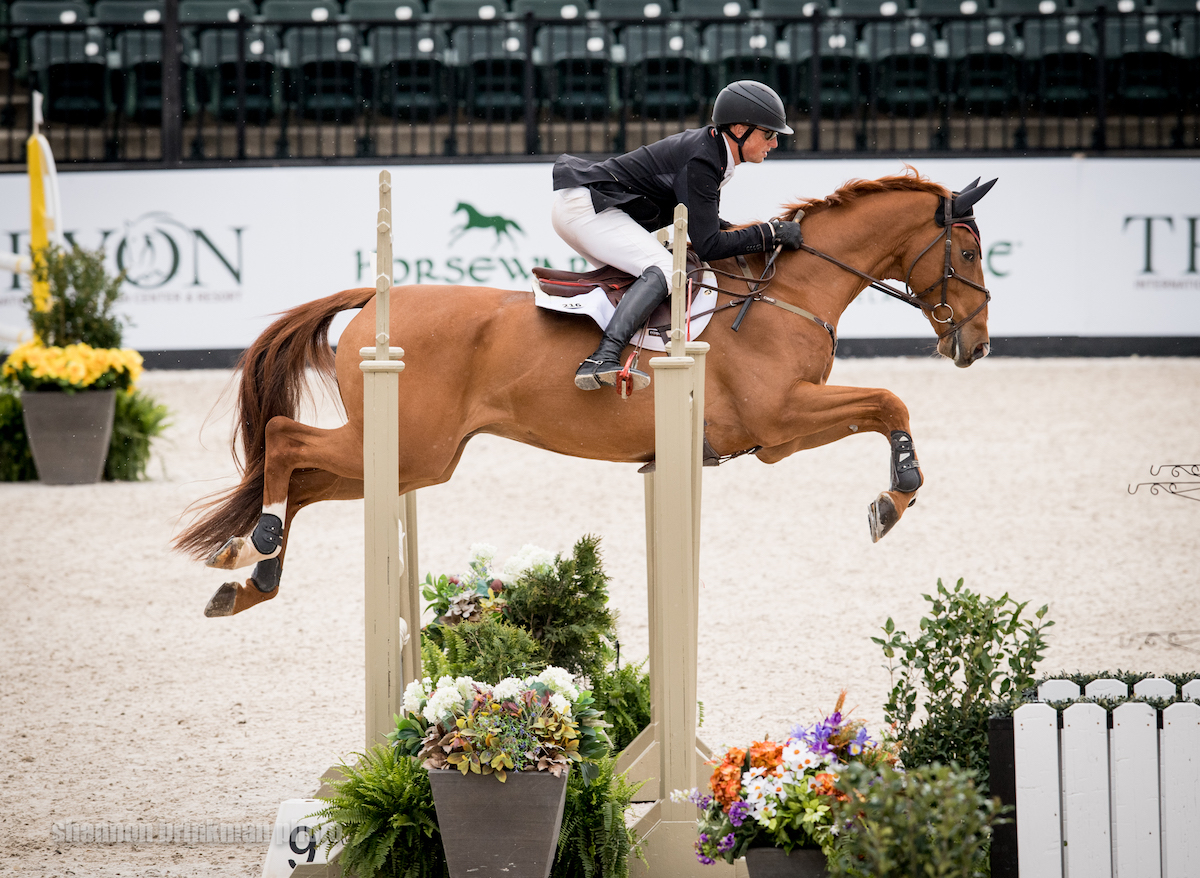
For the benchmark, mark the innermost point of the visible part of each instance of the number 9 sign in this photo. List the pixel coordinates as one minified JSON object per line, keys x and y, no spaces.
{"x":298,"y":838}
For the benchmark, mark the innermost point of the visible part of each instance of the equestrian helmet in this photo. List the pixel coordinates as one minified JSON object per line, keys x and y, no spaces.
{"x":747,"y":102}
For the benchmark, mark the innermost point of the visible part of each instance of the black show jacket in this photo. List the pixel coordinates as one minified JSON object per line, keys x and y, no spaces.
{"x":647,"y":184}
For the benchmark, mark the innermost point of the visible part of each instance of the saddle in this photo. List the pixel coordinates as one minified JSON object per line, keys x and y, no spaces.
{"x":613,"y":283}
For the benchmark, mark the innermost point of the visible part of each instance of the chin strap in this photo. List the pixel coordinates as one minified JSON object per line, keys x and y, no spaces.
{"x":740,"y":141}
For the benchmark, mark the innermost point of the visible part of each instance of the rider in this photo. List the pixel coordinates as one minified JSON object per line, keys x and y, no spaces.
{"x":609,"y":211}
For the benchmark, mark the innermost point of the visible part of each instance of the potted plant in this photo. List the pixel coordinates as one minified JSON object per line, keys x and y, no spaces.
{"x":498,"y":758}
{"x":71,"y":372}
{"x":772,"y":802}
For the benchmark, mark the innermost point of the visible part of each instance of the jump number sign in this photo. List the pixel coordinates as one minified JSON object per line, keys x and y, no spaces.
{"x":298,"y":838}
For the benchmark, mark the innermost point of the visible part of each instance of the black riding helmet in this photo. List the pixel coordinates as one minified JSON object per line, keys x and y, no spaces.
{"x":747,"y":102}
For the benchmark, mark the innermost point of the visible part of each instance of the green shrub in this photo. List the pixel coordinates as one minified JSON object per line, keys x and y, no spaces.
{"x":82,"y":298}
{"x":136,"y":420}
{"x":16,"y":460}
{"x":565,"y":608}
{"x":384,"y":810}
{"x":490,"y":650}
{"x":623,"y":695}
{"x":931,"y":821}
{"x":972,"y":650}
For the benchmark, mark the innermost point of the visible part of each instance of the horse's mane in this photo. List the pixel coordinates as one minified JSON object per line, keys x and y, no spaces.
{"x":852,"y":190}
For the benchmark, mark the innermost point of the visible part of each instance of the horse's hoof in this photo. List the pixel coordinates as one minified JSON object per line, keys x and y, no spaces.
{"x":222,"y":601}
{"x":882,"y":517}
{"x":231,"y":598}
{"x":230,"y":556}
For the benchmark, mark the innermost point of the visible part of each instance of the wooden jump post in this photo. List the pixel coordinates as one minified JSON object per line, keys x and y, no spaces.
{"x":391,"y":606}
{"x":667,"y":753}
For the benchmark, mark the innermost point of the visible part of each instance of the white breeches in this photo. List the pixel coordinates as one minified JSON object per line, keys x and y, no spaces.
{"x":610,"y":237}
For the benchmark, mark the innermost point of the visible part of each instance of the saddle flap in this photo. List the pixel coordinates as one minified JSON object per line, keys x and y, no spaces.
{"x":614,"y":283}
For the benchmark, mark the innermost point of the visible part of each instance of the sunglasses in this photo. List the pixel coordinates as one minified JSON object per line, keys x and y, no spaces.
{"x":769,"y":135}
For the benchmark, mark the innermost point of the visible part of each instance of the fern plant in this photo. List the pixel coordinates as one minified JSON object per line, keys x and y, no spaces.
{"x":623,"y":695}
{"x":384,"y":810}
{"x":490,"y":650}
{"x":594,"y":841}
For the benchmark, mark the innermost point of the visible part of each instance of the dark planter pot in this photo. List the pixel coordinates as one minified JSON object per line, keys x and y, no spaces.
{"x":69,"y":434}
{"x":774,"y":863}
{"x":499,"y":830}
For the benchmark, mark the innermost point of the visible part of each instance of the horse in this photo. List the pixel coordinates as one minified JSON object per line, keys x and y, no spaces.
{"x":481,"y":360}
{"x":476,"y":220}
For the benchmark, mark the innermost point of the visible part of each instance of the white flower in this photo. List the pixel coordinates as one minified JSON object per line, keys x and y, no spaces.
{"x":443,"y":701}
{"x":483,"y":553}
{"x":560,"y":705}
{"x":798,"y":757}
{"x":560,"y":681}
{"x":414,"y":693}
{"x":683,"y":795}
{"x":530,"y":557}
{"x":465,"y":687}
{"x":507,"y":689}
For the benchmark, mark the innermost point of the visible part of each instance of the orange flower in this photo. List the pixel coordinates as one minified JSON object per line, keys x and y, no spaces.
{"x":726,"y":781}
{"x":825,"y":784}
{"x":766,"y":754}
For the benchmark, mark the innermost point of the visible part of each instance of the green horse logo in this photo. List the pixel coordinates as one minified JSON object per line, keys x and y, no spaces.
{"x":476,"y":220}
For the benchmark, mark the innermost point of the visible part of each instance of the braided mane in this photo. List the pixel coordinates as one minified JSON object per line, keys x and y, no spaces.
{"x":909,"y":181}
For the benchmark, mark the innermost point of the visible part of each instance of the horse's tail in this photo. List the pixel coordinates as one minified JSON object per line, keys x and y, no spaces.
{"x":272,"y":384}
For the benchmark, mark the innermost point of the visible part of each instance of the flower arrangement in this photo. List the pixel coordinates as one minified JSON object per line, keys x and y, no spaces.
{"x":542,"y":723}
{"x":73,"y":367}
{"x":467,"y":598}
{"x":773,"y":794}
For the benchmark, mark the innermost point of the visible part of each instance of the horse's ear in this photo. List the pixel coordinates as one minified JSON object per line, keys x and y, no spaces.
{"x":967,"y":199}
{"x":970,"y":186}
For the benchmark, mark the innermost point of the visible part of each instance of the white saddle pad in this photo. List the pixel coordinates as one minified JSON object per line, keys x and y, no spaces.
{"x":595,"y":304}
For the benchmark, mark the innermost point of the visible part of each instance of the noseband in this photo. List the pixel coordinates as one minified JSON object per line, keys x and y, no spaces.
{"x":948,"y":274}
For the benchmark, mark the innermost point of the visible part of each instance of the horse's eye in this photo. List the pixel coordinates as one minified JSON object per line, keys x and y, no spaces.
{"x":968,"y":255}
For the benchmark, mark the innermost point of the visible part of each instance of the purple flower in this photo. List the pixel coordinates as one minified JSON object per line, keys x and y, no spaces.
{"x":738,"y":812}
{"x":705,"y":859}
{"x":725,"y":844}
{"x":700,"y":801}
{"x":704,"y":838}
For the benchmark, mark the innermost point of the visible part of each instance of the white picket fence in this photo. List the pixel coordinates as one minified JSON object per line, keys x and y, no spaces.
{"x":1098,"y":802}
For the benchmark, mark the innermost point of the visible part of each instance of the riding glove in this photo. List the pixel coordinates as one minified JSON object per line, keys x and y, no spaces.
{"x":786,"y":234}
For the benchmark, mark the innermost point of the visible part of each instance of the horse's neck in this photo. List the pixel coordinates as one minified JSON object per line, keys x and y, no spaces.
{"x":869,"y":235}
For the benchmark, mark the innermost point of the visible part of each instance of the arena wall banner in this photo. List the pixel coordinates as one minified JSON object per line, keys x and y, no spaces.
{"x":1073,"y":247}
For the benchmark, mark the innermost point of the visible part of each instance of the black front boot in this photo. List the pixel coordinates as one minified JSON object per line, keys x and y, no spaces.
{"x":634,"y":309}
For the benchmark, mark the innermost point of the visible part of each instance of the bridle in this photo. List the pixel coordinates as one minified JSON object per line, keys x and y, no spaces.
{"x":758,"y":286}
{"x":949,"y":222}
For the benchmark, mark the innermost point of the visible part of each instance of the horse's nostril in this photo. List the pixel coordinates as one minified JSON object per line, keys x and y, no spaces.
{"x":982,"y":350}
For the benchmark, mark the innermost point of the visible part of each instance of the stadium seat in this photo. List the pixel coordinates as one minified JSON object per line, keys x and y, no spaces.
{"x":565,"y":9}
{"x":138,"y":53}
{"x":771,"y":10}
{"x":321,"y":58}
{"x":837,"y":67}
{"x":714,"y":8}
{"x":67,"y":64}
{"x":217,"y":74}
{"x":741,"y":51}
{"x":1142,"y":72}
{"x":869,"y":8}
{"x":1061,"y":57}
{"x":984,"y":63}
{"x":644,"y":10}
{"x":902,"y":70}
{"x":950,"y":8}
{"x":384,"y":10}
{"x":490,"y":60}
{"x":408,"y":71}
{"x":661,"y":67}
{"x":485,"y":10}
{"x":579,"y":78}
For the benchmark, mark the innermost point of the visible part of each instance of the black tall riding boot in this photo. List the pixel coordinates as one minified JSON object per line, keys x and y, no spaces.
{"x":634,"y":309}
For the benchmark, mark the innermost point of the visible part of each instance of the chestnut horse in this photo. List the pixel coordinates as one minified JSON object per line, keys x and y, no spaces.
{"x":482,"y":360}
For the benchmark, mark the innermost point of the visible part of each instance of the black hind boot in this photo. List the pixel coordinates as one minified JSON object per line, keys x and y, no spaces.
{"x":634,"y":309}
